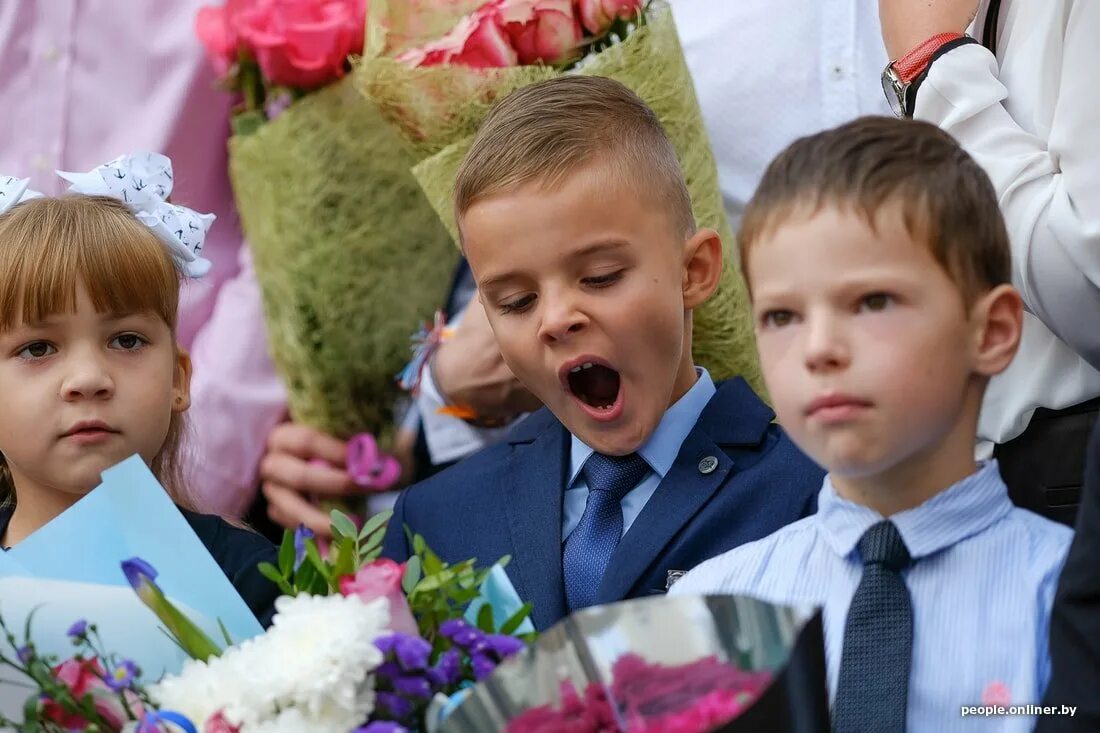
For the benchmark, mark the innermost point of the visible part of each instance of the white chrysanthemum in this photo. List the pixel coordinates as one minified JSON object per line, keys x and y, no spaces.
{"x":316,"y":659}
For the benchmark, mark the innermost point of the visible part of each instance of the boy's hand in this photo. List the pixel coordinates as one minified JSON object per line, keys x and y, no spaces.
{"x":469,"y":370}
{"x":301,"y":461}
{"x":907,"y":23}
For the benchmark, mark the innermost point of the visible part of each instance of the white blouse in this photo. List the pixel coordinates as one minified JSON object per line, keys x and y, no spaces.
{"x":1030,"y":115}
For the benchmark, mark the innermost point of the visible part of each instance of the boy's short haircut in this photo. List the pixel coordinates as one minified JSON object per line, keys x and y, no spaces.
{"x":546,"y":131}
{"x":947,"y":200}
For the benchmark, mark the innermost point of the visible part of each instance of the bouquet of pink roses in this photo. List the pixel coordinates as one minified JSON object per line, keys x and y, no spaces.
{"x":348,"y":252}
{"x":435,"y":68}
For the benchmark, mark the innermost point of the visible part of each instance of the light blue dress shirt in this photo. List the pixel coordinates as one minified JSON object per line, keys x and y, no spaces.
{"x":981,"y":585}
{"x":659,"y":452}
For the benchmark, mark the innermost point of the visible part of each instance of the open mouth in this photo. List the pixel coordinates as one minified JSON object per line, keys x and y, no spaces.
{"x":594,"y":384}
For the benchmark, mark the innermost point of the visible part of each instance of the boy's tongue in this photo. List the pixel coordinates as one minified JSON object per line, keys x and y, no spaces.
{"x":597,"y":385}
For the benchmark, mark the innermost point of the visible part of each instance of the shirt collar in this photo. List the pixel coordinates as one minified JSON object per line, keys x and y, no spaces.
{"x":662,"y":447}
{"x":963,"y":510}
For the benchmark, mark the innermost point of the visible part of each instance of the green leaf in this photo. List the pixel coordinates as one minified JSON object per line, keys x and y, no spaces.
{"x":374,"y":540}
{"x":412,"y":574}
{"x":485,"y":619}
{"x":418,"y":545}
{"x":509,"y":627}
{"x":314,"y":557}
{"x":342,"y":526}
{"x":225,"y":634}
{"x":373,"y":523}
{"x":286,"y":554}
{"x":432,"y":563}
{"x":371,"y":556}
{"x":270,"y":572}
{"x":345,"y":554}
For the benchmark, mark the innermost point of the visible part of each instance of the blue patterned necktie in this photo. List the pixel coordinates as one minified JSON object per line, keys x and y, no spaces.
{"x":589,"y":546}
{"x":873,"y":685}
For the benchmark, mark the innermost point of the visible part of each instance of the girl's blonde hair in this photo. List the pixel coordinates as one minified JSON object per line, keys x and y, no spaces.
{"x":49,"y":245}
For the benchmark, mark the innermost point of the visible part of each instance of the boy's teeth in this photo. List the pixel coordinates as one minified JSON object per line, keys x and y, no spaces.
{"x":586,"y":365}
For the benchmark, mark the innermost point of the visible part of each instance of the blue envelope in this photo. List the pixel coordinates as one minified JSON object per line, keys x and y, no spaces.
{"x":131,"y":515}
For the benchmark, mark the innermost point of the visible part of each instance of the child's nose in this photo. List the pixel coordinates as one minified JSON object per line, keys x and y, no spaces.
{"x":560,"y":320}
{"x":825,"y":345}
{"x":88,"y":378}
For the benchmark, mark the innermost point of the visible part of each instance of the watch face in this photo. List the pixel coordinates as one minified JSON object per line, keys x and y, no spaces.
{"x":894,"y":91}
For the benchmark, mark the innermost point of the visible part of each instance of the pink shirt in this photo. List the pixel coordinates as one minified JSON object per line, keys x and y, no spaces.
{"x":83,"y":81}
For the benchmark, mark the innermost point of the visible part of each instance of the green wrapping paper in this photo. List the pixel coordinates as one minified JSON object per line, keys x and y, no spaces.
{"x":437,"y":111}
{"x":349,"y":255}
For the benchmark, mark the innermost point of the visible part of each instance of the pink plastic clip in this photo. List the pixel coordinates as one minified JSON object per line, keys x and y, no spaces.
{"x":368,"y":467}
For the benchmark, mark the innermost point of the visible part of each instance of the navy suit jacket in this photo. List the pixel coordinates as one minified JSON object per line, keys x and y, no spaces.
{"x":507,"y":500}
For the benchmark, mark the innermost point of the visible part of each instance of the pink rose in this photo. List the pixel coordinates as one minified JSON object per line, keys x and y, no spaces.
{"x":382,"y":579}
{"x":302,"y":43}
{"x":598,"y":15}
{"x":83,"y":677}
{"x":217,"y":36}
{"x":478,"y":40}
{"x":545,"y":31}
{"x":217,"y":723}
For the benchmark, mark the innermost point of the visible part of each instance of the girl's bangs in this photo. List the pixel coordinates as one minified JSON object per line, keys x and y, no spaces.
{"x":49,"y":245}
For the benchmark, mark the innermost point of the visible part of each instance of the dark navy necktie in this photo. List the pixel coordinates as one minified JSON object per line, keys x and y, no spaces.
{"x":589,"y":546}
{"x":873,"y":684}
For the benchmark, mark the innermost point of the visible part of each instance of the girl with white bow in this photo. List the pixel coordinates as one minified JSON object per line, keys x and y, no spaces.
{"x":90,"y":371}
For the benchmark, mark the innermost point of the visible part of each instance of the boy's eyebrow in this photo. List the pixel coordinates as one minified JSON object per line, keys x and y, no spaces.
{"x":586,"y":251}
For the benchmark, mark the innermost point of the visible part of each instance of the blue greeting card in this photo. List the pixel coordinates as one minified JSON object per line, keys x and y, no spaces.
{"x":130,"y":515}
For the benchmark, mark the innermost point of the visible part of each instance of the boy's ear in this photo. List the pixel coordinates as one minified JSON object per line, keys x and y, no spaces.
{"x":702,"y":267}
{"x":998,"y":317}
{"x":181,"y":381}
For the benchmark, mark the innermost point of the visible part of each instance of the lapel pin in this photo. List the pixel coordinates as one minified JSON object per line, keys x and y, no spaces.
{"x":707,"y":465}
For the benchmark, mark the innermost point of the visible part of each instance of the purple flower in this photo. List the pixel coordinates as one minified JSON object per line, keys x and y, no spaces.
{"x":389,"y":670}
{"x":301,"y":534}
{"x":78,"y":630}
{"x":276,"y":104}
{"x":122,"y":676}
{"x":448,"y":670}
{"x":412,"y":686}
{"x":504,"y":646}
{"x":412,"y":652}
{"x":452,"y":626}
{"x":24,"y":654}
{"x":482,"y":665}
{"x":138,"y":572}
{"x":469,"y":638}
{"x":386,"y":643}
{"x":382,"y":726}
{"x":395,"y":705}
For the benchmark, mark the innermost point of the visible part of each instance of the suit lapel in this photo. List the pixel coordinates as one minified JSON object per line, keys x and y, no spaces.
{"x":734,"y":416}
{"x":532,"y":494}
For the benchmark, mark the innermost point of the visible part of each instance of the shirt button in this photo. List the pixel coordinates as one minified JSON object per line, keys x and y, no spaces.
{"x":51,"y":54}
{"x":707,"y":465}
{"x":40,"y":162}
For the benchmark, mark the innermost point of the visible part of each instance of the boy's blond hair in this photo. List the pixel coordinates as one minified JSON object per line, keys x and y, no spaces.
{"x":947,"y":200}
{"x":49,"y":245}
{"x":546,"y":131}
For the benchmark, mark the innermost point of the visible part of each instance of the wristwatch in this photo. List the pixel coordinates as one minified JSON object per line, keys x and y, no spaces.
{"x":902,"y":76}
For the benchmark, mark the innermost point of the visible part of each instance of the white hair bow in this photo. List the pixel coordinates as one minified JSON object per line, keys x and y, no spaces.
{"x":143,"y":181}
{"x":13,"y":191}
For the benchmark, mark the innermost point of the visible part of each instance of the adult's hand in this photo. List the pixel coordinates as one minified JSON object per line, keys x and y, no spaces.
{"x":302,"y":462}
{"x":469,"y":370}
{"x":908,"y":23}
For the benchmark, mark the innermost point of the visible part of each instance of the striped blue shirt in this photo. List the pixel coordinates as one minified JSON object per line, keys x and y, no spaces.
{"x":982,"y":584}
